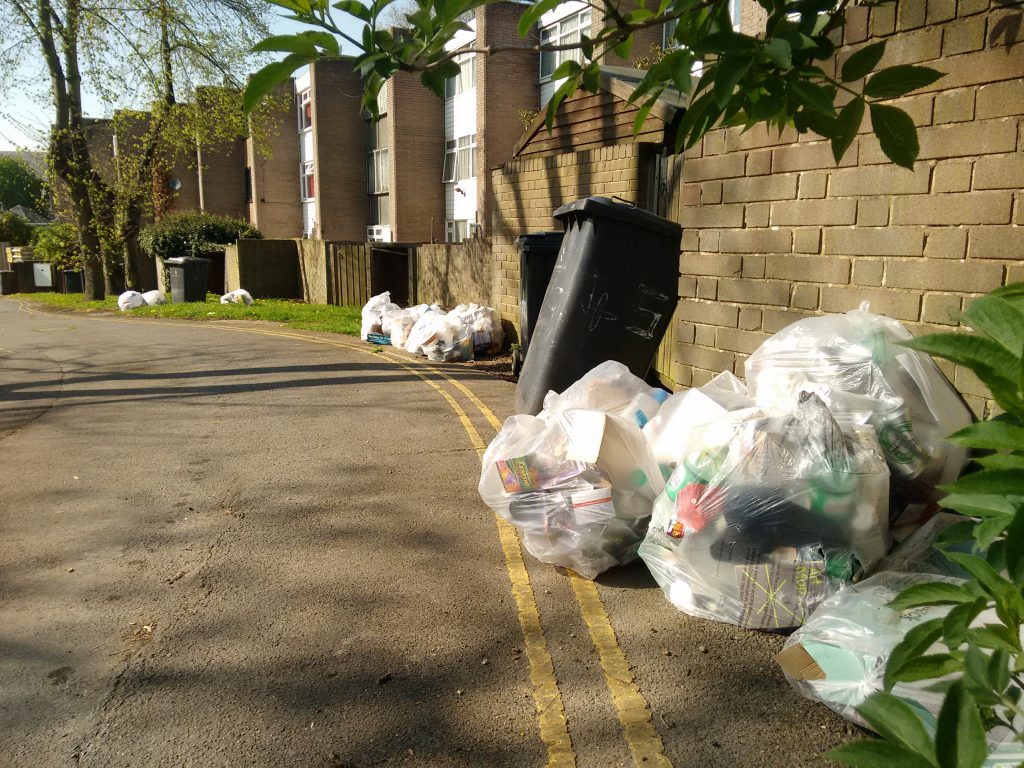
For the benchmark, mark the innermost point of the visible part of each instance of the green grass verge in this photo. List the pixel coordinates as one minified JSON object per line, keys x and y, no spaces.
{"x":294,"y":314}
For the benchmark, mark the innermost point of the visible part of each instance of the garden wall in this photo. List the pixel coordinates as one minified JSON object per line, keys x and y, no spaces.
{"x":774,"y":231}
{"x":450,"y":274}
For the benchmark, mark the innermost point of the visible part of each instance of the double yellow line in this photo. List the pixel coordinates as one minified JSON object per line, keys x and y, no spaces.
{"x":632,"y":710}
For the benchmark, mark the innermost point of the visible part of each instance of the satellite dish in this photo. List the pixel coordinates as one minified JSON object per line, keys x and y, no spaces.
{"x":174,"y":184}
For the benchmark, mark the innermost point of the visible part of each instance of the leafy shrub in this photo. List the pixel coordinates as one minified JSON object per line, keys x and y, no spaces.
{"x":59,"y":245}
{"x":191,"y":233}
{"x":20,"y":185}
{"x":14,"y":229}
{"x":980,"y":668}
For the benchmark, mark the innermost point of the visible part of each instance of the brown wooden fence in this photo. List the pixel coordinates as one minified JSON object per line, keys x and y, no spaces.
{"x":348,"y":274}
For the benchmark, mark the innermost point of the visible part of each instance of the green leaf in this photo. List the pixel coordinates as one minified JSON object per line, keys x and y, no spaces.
{"x":1014,"y":549}
{"x":533,"y":13}
{"x":262,"y":82}
{"x":568,"y":68}
{"x":997,"y":434}
{"x":847,"y":125}
{"x":641,"y":116}
{"x":999,"y":320}
{"x":979,"y":504}
{"x":877,"y":754}
{"x":565,"y":90}
{"x":896,"y":134}
{"x":993,"y":636}
{"x":929,"y":667}
{"x":989,"y":361}
{"x":958,"y":620}
{"x":959,"y":733}
{"x":288,"y":44}
{"x":1000,"y":461}
{"x":813,"y":97}
{"x":918,"y":640}
{"x":994,"y":584}
{"x":931,"y":593}
{"x":325,"y":40}
{"x":897,"y":81}
{"x":1004,"y":481}
{"x":990,"y":529}
{"x":592,"y":77}
{"x":780,"y":52}
{"x":729,"y":72}
{"x":354,"y":8}
{"x":863,"y":62}
{"x":894,"y":720}
{"x":726,"y":42}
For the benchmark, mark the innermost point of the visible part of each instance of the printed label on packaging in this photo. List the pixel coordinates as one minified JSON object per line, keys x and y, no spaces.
{"x":780,"y":595}
{"x":516,"y":475}
{"x":641,"y":418}
{"x":592,"y":506}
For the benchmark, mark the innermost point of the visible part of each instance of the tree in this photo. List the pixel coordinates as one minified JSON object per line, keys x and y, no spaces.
{"x":20,"y":185}
{"x":775,"y":78}
{"x":14,"y":229}
{"x":156,"y":48}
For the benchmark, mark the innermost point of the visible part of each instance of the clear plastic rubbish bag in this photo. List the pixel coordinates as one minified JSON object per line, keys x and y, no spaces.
{"x":237,"y":296}
{"x":579,"y":487}
{"x":669,"y":429}
{"x":399,"y":324}
{"x":484,"y":324}
{"x":373,"y":312}
{"x":610,"y":388}
{"x":853,"y":362}
{"x":839,"y":655}
{"x":764,"y":517}
{"x":130,"y":300}
{"x":152,"y":298}
{"x":453,"y":342}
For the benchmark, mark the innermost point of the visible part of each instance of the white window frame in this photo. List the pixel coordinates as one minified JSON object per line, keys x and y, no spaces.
{"x":382,"y":99}
{"x":458,"y":230}
{"x":459,"y":159}
{"x":561,"y":32}
{"x":735,"y":8}
{"x":305,"y":98}
{"x":465,"y":81}
{"x":378,"y":171}
{"x":306,"y":172}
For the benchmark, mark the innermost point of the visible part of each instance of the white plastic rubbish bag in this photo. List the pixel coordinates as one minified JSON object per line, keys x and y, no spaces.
{"x":578,"y":486}
{"x":373,"y":312}
{"x":764,"y":517}
{"x":398,"y":326}
{"x":854,"y":364}
{"x":610,"y":388}
{"x":130,"y":300}
{"x":152,"y":298}
{"x":839,"y":655}
{"x":669,"y":429}
{"x":484,"y":324}
{"x":441,"y":338}
{"x":237,"y":296}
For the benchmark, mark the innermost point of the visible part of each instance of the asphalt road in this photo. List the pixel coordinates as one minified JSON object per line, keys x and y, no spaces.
{"x":227,"y":545}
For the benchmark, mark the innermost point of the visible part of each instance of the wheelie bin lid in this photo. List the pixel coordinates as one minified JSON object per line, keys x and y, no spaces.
{"x":603,"y":207}
{"x":540,"y":241}
{"x":177,"y":260}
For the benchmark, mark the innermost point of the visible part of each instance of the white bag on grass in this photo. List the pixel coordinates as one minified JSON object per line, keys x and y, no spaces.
{"x":237,"y":296}
{"x":152,"y":298}
{"x":130,"y":300}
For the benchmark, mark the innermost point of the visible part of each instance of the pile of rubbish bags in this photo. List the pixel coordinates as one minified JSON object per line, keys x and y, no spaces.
{"x":133,"y":300}
{"x":455,"y":336}
{"x":750,"y":503}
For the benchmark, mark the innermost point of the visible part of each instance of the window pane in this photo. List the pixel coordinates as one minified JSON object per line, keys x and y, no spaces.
{"x":448,"y":174}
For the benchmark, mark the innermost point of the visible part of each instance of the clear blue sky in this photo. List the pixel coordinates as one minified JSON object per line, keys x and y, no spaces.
{"x":31,"y":110}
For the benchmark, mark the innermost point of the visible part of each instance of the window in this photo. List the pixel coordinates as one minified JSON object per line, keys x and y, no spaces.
{"x":465,"y":80}
{"x":565,"y":32}
{"x":248,"y":185}
{"x":380,"y":210}
{"x":378,"y":171}
{"x":305,"y":111}
{"x":669,"y":29}
{"x":382,"y":99}
{"x":308,"y":184}
{"x":456,"y":230}
{"x":459,"y":159}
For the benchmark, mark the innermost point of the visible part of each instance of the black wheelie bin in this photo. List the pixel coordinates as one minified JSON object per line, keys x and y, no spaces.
{"x":538,"y":252}
{"x":612,"y":295}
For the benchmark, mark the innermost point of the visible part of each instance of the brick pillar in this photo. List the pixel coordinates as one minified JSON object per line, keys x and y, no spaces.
{"x":416,"y":143}
{"x":505,"y":83}
{"x":273,"y":163}
{"x":339,"y":150}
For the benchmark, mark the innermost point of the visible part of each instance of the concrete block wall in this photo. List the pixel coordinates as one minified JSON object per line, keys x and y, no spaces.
{"x":775,"y":231}
{"x":313,"y":270}
{"x":528,"y":190}
{"x":450,"y":274}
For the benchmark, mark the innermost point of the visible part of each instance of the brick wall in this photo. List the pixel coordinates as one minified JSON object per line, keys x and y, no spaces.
{"x":527,"y":191}
{"x":221,"y":178}
{"x":505,"y":83}
{"x":339,"y":149}
{"x":416,"y":144}
{"x":450,"y":274}
{"x":774,"y":231}
{"x":273,"y":164}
